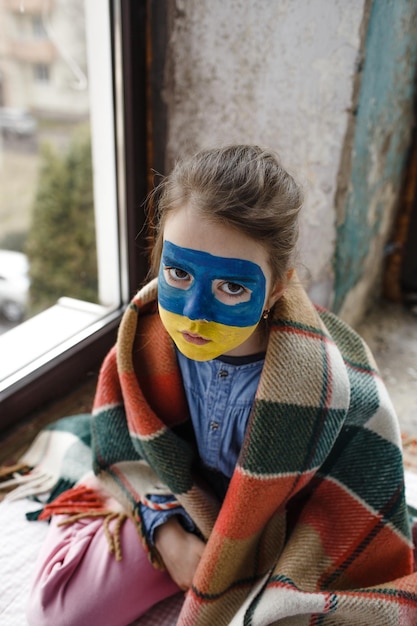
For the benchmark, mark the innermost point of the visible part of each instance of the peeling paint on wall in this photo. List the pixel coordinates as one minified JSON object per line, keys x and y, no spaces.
{"x":381,"y":141}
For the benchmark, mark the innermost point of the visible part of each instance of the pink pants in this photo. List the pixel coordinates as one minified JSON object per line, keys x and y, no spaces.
{"x":79,"y":582}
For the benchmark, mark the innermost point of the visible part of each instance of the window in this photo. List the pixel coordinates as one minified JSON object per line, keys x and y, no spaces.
{"x":38,"y":27}
{"x":52,"y":350}
{"x":41,"y":71}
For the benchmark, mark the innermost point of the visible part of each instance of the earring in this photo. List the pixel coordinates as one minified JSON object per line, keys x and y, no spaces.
{"x":265,"y":314}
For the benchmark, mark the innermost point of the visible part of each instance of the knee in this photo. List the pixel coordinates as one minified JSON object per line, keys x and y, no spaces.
{"x":38,"y":614}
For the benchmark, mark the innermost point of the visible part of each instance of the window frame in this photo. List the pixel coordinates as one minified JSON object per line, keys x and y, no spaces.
{"x":130,"y":20}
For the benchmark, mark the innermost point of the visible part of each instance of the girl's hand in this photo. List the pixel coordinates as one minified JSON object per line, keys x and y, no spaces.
{"x":181,"y":551}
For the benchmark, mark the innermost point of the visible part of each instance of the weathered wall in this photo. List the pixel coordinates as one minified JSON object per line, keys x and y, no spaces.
{"x":381,"y":138}
{"x":283,"y":74}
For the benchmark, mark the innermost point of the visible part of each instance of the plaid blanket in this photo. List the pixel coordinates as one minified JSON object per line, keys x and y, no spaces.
{"x":314,"y":528}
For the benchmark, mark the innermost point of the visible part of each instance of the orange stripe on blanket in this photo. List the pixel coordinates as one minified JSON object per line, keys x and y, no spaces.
{"x":79,"y":499}
{"x":141,"y":419}
{"x":251,"y":500}
{"x":108,"y":392}
{"x":153,"y":351}
{"x":166,"y":397}
{"x":161,"y":399}
{"x":350,"y":534}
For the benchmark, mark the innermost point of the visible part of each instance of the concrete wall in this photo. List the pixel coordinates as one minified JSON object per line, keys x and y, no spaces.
{"x":286,"y":74}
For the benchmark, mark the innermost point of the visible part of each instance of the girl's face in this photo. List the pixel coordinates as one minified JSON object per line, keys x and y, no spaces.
{"x":213,"y":286}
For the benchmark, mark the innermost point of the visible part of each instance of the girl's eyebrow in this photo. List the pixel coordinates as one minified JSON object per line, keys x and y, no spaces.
{"x":239,"y":280}
{"x":228,"y":269}
{"x":170,"y":263}
{"x":171,"y":260}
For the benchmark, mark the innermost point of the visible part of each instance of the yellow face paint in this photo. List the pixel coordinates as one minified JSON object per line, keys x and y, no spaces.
{"x":201,"y":340}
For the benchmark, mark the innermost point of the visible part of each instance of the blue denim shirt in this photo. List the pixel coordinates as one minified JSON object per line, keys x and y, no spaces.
{"x":220,"y":395}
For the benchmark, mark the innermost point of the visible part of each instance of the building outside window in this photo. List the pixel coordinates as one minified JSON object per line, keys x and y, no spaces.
{"x":64,"y":255}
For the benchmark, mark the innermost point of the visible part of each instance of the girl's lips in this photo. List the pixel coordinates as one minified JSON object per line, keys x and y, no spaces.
{"x":195,"y":339}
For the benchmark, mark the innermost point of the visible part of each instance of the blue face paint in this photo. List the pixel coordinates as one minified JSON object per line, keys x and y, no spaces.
{"x":197,"y":296}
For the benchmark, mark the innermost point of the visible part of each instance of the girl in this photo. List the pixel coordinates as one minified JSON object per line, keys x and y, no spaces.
{"x":244,"y":447}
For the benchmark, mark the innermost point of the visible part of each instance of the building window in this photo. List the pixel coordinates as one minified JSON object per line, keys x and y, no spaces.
{"x":42,"y":73}
{"x":38,"y":27}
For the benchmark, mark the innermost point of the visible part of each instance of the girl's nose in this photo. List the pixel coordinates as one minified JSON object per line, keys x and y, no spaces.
{"x":197,"y":303}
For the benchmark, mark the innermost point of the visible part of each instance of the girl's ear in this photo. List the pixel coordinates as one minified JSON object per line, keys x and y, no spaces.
{"x":279,"y":288}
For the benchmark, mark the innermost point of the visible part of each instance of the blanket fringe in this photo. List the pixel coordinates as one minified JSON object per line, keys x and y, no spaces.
{"x":79,"y":499}
{"x":83,"y":502}
{"x":10,"y":470}
{"x":112,"y":536}
{"x":31,"y":484}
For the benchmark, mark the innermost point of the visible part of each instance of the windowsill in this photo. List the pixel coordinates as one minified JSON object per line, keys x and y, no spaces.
{"x":29,"y":346}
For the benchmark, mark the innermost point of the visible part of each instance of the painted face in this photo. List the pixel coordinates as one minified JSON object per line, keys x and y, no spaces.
{"x":209,"y":304}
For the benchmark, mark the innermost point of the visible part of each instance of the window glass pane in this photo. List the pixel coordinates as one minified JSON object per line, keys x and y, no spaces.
{"x":58,"y":223}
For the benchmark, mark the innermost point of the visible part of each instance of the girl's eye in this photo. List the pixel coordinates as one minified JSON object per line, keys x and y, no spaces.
{"x":232,"y":289}
{"x":177,"y":274}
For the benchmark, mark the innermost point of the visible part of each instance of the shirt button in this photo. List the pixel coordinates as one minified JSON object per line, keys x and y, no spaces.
{"x":223,"y":373}
{"x":214,"y":425}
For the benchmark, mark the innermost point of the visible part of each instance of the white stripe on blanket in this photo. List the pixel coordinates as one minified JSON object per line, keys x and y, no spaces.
{"x":52,"y":453}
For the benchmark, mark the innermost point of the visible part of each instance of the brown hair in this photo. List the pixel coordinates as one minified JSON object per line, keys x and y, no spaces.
{"x":242,"y":186}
